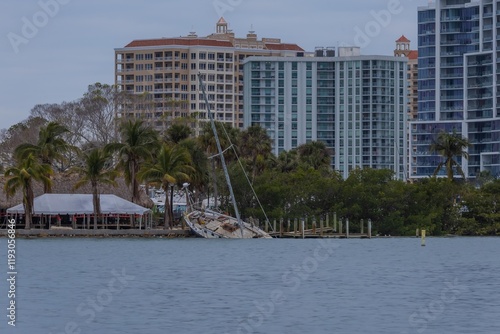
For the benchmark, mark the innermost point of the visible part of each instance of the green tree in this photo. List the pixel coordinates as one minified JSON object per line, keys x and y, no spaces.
{"x":450,"y":145}
{"x":96,"y":170}
{"x":199,"y":176}
{"x":227,"y":136}
{"x":173,"y":165}
{"x":138,"y":144}
{"x":255,"y":147}
{"x":287,"y":161}
{"x":178,"y":132}
{"x":22,"y":177}
{"x":315,"y":155}
{"x":50,"y":147}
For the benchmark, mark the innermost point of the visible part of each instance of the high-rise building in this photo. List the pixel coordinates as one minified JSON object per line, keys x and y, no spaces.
{"x":458,"y":78}
{"x":162,"y":74}
{"x":403,"y":49}
{"x":355,"y":104}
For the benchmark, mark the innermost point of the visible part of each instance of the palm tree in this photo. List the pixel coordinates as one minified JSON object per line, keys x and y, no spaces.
{"x":49,"y":148}
{"x":199,"y":178}
{"x":22,"y":177}
{"x":139,"y":141}
{"x":172,"y":166}
{"x":97,"y":170}
{"x":450,"y":145}
{"x":315,"y":155}
{"x":207,"y":141}
{"x":256,"y":146}
{"x":178,"y":131}
{"x":287,"y":161}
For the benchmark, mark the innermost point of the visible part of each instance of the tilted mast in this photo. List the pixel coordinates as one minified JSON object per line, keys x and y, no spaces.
{"x":223,"y":161}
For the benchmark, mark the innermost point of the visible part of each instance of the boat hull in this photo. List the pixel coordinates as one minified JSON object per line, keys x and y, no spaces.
{"x":213,"y":225}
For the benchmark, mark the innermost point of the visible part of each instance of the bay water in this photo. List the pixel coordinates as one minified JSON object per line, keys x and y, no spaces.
{"x":148,"y":286}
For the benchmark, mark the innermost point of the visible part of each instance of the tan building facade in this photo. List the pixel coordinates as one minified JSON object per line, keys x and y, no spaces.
{"x":403,"y":50}
{"x":163,"y":75}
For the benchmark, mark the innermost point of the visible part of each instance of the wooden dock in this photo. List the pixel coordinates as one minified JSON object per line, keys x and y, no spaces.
{"x":300,"y":229}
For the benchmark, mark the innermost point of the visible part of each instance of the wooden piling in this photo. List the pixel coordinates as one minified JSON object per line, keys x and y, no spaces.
{"x":295,"y":227}
{"x":335,"y":222}
{"x":347,"y":228}
{"x":274,"y":225}
{"x":321,"y":227}
{"x":362,"y":226}
{"x":314,"y":226}
{"x":281,"y":227}
{"x":340,"y":226}
{"x":369,"y":228}
{"x":303,"y":229}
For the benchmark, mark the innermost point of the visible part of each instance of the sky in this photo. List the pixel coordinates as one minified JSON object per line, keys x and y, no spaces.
{"x":52,"y":50}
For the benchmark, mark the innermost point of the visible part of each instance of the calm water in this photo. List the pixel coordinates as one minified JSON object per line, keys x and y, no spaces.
{"x":255,"y":286}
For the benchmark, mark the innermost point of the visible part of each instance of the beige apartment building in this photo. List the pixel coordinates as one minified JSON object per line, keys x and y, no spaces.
{"x":162,"y":75}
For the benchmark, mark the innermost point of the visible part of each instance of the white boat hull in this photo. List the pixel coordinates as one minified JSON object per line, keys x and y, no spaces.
{"x":213,"y":225}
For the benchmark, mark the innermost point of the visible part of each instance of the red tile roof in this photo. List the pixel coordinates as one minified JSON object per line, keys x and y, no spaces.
{"x":413,"y":54}
{"x":178,"y":41}
{"x":283,"y":47}
{"x":403,"y":39}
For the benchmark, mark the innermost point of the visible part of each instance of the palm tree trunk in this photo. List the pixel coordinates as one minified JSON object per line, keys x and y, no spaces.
{"x":97,"y":204}
{"x":28,"y":206}
{"x":171,"y":213}
{"x":135,"y":183}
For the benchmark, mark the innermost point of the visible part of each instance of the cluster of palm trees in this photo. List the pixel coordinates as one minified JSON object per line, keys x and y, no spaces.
{"x":142,"y":157}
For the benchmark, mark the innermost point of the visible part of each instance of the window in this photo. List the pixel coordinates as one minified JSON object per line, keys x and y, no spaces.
{"x":193,"y":56}
{"x":148,"y":56}
{"x":139,"y":57}
{"x":139,"y":67}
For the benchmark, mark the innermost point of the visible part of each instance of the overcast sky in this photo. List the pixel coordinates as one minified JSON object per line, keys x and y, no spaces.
{"x":51,"y":50}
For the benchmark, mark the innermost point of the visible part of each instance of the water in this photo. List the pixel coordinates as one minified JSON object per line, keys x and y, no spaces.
{"x":180,"y":286}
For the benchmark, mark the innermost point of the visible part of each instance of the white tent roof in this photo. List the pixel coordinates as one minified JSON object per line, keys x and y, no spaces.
{"x":53,"y":204}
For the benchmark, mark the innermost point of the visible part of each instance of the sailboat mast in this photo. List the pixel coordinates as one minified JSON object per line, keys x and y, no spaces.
{"x":223,"y":161}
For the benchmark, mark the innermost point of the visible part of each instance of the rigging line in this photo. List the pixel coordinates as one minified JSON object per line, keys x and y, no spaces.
{"x":223,"y":161}
{"x":251,"y":187}
{"x":247,"y":178}
{"x":244,"y":172}
{"x":216,"y":155}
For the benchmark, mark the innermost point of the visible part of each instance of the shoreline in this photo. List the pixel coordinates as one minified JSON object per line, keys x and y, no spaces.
{"x":100,"y":233}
